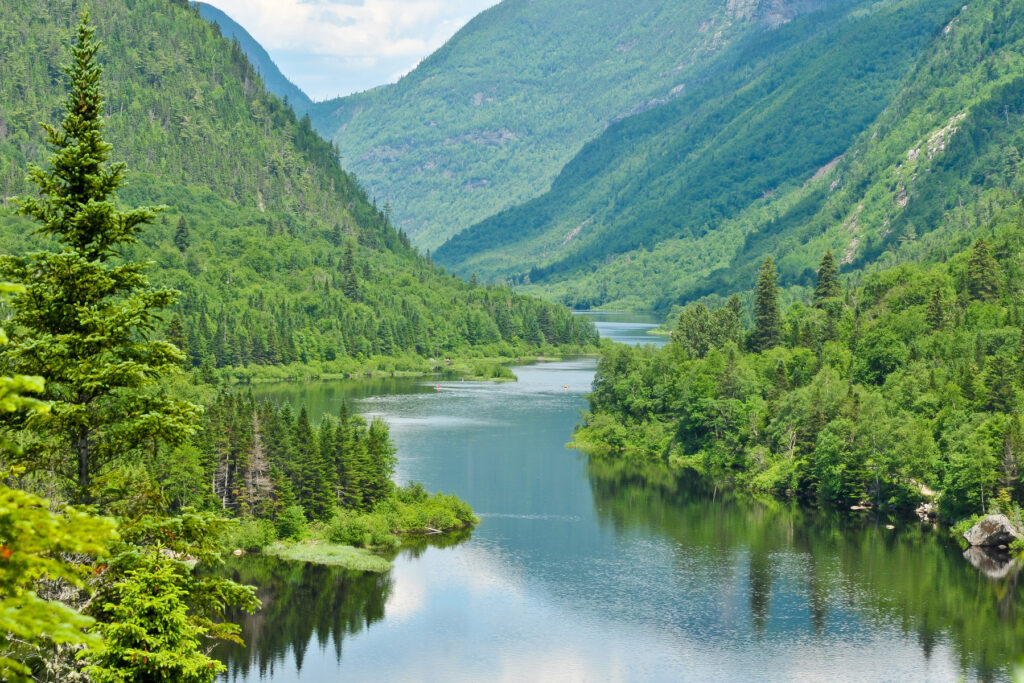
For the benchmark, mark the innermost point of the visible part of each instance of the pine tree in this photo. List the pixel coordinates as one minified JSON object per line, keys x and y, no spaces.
{"x":828,"y":285}
{"x":181,"y":236}
{"x":315,"y":490}
{"x":350,"y":285}
{"x":937,"y":309}
{"x":982,"y":273}
{"x":767,"y":318}
{"x":82,"y":321}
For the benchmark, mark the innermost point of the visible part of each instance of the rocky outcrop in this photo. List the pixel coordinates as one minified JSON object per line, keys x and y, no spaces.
{"x":994,"y":530}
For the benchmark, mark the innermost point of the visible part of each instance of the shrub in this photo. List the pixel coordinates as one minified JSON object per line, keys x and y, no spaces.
{"x":292,"y":522}
{"x":251,"y":534}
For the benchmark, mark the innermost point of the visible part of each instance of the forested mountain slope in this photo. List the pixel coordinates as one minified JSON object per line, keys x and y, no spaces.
{"x":278,"y":253}
{"x":275,"y":81}
{"x":647,"y":211}
{"x":488,"y":120}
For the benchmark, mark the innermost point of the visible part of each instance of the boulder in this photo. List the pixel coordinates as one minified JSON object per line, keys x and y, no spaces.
{"x":992,"y":531}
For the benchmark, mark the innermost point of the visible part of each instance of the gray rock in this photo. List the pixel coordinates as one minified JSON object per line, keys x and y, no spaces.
{"x":993,"y":530}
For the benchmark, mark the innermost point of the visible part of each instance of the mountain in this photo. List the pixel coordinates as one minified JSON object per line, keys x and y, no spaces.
{"x":893,"y":143}
{"x":490,"y":119}
{"x":275,"y":81}
{"x":278,"y":253}
{"x":771,"y":111}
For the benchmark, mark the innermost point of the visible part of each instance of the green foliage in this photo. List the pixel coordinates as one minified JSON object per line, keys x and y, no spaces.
{"x":83,"y":318}
{"x":255,"y":534}
{"x":650,"y":217}
{"x":291,"y":523}
{"x":275,"y":81}
{"x":271,"y":217}
{"x":35,"y":545}
{"x":488,"y":120}
{"x":147,"y":633}
{"x":767,"y":317}
{"x":408,"y":510}
{"x":875,"y":407}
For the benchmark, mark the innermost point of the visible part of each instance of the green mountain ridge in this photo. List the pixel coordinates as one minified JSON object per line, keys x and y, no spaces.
{"x":647,"y":212}
{"x":489,"y":120}
{"x":275,"y":81}
{"x":278,"y":253}
{"x":916,"y":182}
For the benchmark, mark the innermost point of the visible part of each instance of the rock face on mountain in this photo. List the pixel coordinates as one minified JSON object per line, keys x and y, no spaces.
{"x":994,"y":530}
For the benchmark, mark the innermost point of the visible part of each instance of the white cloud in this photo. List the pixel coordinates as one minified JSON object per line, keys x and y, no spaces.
{"x":380,"y":37}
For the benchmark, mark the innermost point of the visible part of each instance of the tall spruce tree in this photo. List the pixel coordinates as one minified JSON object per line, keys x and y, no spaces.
{"x":181,"y":236}
{"x":982,"y":273}
{"x":83,"y":319}
{"x":827,"y":286}
{"x":767,"y":317}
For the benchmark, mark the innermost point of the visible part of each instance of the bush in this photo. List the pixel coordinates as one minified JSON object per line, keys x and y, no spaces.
{"x":251,"y":534}
{"x":291,"y":523}
{"x":371,"y":530}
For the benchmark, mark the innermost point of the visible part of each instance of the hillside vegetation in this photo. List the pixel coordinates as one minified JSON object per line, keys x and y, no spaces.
{"x":274,"y":81}
{"x":489,"y":120}
{"x":904,"y":389}
{"x":278,"y":253}
{"x":719,"y":176}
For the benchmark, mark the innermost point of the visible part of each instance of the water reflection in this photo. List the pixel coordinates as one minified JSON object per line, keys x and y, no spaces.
{"x":585,"y":571}
{"x":302,"y":603}
{"x":809,"y":571}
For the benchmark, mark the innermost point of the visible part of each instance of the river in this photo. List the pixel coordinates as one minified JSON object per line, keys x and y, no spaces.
{"x":581,"y":572}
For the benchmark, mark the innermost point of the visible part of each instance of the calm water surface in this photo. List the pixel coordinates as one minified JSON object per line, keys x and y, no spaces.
{"x":582,"y":572}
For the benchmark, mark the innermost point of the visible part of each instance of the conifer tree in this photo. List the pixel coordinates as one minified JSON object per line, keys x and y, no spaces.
{"x":937,"y":309}
{"x":767,"y":317}
{"x":83,"y":320}
{"x":828,"y":285}
{"x":181,"y":236}
{"x":982,"y":273}
{"x":350,"y":285}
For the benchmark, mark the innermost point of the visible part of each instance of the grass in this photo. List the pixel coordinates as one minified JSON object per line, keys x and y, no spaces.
{"x":334,"y":554}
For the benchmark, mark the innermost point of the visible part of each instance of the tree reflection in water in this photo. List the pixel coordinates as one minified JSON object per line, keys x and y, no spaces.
{"x":845,"y":567}
{"x":303,"y":602}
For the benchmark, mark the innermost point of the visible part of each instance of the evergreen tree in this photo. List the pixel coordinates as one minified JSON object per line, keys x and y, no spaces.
{"x":767,"y":332}
{"x":937,"y":309}
{"x":350,"y":284}
{"x":315,"y":489}
{"x":82,"y":321}
{"x":828,"y":285}
{"x":982,"y":273}
{"x":181,"y":236}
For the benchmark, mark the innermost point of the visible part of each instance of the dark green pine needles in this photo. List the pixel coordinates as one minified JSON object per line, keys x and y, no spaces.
{"x":84,"y":316}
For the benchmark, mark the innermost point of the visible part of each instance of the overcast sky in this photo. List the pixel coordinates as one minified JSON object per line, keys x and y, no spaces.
{"x":337,"y":47}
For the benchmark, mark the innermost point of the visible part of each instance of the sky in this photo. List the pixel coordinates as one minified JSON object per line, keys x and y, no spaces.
{"x":337,"y":47}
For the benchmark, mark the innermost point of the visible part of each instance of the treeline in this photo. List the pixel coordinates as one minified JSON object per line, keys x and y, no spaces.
{"x":262,"y":459}
{"x":363,"y":311}
{"x":900,"y":388}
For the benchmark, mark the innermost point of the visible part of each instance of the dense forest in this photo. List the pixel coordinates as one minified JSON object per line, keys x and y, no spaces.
{"x":118,"y":487}
{"x":892,"y":391}
{"x":279,"y":255}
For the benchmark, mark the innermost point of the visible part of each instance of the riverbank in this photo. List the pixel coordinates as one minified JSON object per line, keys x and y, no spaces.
{"x":493,"y":367}
{"x":354,"y":538}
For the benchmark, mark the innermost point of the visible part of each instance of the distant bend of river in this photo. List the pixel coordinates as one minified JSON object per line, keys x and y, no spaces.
{"x":582,"y":572}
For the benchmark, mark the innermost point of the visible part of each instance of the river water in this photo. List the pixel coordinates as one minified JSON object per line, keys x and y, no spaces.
{"x":581,"y":572}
